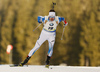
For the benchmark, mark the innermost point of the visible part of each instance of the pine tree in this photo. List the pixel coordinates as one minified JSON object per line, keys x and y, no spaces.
{"x":89,"y":40}
{"x":6,"y":29}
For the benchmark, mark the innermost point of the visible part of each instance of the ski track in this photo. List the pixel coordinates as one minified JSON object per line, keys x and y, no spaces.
{"x":41,"y":68}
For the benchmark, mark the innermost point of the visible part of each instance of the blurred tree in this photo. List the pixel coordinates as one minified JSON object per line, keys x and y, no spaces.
{"x":90,"y":38}
{"x":6,"y":29}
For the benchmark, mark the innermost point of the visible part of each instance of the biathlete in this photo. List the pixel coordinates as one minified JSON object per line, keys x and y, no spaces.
{"x":48,"y":32}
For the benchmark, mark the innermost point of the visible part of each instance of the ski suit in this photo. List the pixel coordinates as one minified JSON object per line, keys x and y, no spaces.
{"x":48,"y":33}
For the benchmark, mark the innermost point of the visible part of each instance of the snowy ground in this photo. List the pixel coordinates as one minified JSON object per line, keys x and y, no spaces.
{"x":41,"y":68}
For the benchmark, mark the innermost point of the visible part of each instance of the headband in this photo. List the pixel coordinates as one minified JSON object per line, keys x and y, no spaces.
{"x":51,"y":13}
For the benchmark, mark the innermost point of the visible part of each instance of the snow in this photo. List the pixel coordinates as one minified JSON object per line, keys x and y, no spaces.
{"x":41,"y":68}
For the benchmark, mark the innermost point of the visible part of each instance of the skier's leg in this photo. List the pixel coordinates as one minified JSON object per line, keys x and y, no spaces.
{"x":51,"y":44}
{"x":47,"y":61}
{"x":39,"y":42}
{"x":50,"y":52}
{"x":25,"y":61}
{"x":36,"y":47}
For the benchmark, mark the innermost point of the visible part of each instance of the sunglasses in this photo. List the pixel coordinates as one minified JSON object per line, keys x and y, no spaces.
{"x":51,"y":16}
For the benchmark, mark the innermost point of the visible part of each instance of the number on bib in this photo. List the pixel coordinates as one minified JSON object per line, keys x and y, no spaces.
{"x":50,"y":28}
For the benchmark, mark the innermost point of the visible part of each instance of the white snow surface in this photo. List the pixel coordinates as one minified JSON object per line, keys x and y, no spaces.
{"x":41,"y":68}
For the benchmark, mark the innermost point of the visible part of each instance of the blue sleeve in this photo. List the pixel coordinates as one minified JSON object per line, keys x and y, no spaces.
{"x":40,"y":18}
{"x":43,"y":18}
{"x":61,"y":19}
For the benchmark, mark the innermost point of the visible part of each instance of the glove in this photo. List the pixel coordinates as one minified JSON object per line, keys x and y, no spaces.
{"x":66,"y":24}
{"x":39,"y":19}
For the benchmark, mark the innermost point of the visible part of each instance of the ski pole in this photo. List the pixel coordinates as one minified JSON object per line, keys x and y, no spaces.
{"x":36,"y":27}
{"x":63,"y":33}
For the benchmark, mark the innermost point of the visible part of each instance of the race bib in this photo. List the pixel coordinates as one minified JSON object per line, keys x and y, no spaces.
{"x":50,"y":25}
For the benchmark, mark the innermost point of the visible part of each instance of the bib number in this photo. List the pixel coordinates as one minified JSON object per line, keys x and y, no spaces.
{"x":50,"y":26}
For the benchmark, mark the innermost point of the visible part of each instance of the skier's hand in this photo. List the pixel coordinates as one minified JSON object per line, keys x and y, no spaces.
{"x":66,"y":24}
{"x":40,"y":22}
{"x":39,"y":19}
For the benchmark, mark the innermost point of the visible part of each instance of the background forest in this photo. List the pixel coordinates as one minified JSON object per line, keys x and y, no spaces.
{"x":81,"y":42}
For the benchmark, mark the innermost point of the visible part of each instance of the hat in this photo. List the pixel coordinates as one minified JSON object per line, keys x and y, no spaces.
{"x":51,"y":13}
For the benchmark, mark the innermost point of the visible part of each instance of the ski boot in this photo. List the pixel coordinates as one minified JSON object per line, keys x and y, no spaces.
{"x":25,"y":61}
{"x":47,"y":62}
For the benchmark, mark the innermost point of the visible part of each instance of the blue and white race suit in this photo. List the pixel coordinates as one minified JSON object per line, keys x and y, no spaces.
{"x":48,"y":33}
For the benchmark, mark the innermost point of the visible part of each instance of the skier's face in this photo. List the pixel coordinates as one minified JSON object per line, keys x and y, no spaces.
{"x":51,"y":18}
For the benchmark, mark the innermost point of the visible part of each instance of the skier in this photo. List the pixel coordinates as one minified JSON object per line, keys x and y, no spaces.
{"x":48,"y":32}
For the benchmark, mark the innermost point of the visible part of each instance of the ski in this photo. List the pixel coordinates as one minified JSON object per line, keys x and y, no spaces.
{"x":16,"y":65}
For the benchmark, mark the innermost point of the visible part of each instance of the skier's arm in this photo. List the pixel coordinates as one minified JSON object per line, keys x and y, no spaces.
{"x":64,"y":20}
{"x":40,"y":19}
